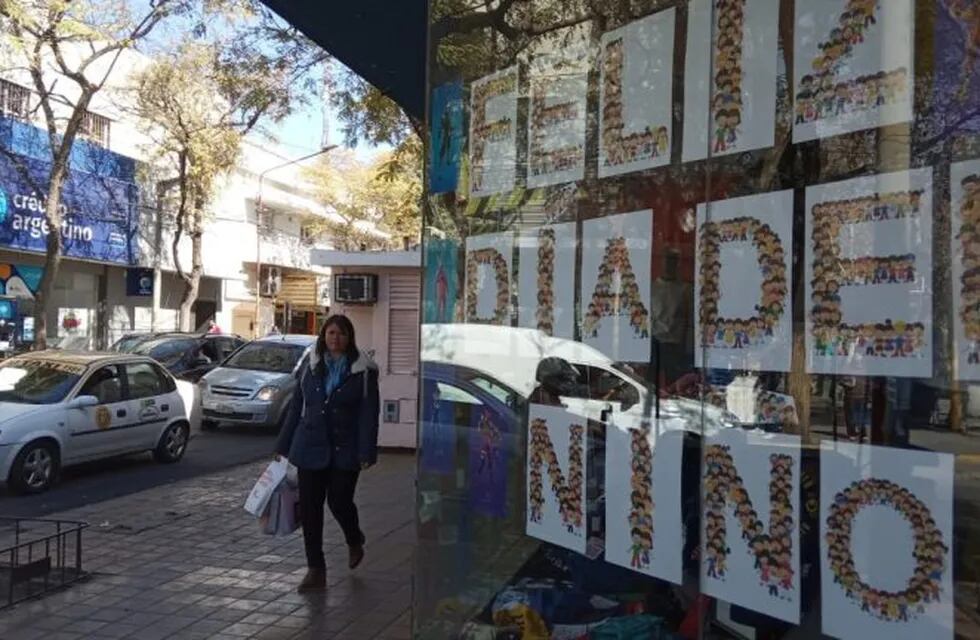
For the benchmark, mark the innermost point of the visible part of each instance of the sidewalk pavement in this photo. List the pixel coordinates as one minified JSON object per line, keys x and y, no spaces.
{"x":185,"y":561}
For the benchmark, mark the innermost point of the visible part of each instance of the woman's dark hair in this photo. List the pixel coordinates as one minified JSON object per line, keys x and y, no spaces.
{"x":346,"y":327}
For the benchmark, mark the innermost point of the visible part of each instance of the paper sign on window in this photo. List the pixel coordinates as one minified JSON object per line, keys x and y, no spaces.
{"x":556,"y":118}
{"x":546,"y":294}
{"x":965,"y":205}
{"x":488,"y":281}
{"x":493,"y":133}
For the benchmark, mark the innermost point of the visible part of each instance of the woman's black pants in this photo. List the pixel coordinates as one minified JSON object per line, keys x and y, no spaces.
{"x":336,"y":487}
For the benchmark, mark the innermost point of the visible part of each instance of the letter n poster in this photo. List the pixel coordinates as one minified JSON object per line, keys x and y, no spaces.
{"x":743,"y":289}
{"x":853,"y":66}
{"x":886,"y":539}
{"x":546,"y":280}
{"x":869,"y":276}
{"x":643,"y":497}
{"x":750,"y":538}
{"x":489,"y":261}
{"x":556,"y":477}
{"x":617,"y":255}
{"x":965,"y":191}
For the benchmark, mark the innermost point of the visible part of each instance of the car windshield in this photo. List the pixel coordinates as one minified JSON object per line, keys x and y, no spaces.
{"x":37,"y":381}
{"x":126,"y":345}
{"x":264,"y":356}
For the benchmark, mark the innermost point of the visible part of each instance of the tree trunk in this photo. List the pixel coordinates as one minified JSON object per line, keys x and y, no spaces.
{"x":192,"y":280}
{"x":52,"y":258}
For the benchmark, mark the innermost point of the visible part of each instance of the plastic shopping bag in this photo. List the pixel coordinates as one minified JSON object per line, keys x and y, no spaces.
{"x":264,"y":489}
{"x":287,"y":519}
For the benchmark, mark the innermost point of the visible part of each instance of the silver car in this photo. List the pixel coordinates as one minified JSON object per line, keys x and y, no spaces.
{"x":256,"y":383}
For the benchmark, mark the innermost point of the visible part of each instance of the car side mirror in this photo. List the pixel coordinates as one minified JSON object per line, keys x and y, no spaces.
{"x":83,"y":402}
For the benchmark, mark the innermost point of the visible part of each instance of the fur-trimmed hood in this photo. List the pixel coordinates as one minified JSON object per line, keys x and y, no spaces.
{"x":362,"y":364}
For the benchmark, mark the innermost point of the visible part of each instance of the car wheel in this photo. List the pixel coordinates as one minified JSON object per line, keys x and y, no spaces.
{"x":36,"y":468}
{"x":173,"y":444}
{"x":208,"y":425}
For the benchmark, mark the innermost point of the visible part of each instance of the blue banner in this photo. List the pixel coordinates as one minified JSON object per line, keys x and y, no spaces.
{"x":446,"y":137}
{"x":441,"y":278}
{"x":98,"y":213}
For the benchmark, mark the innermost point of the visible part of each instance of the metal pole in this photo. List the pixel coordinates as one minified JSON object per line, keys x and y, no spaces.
{"x":258,"y":235}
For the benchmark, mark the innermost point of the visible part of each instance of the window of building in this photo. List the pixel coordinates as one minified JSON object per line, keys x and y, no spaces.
{"x":95,"y":128}
{"x":403,"y":324}
{"x":15,"y":100}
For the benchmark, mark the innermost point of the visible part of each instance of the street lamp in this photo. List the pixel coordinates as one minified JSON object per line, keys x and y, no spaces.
{"x":258,"y":225}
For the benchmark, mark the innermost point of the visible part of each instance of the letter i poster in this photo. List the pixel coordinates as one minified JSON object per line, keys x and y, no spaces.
{"x":732,"y":110}
{"x":643,"y":498}
{"x":743,"y":290}
{"x":853,"y":66}
{"x":493,"y":133}
{"x":965,"y":192}
{"x":751,"y":525}
{"x":556,"y":477}
{"x":869,"y":276}
{"x":886,"y":538}
{"x":489,"y":261}
{"x":546,"y":280}
{"x":617,"y":256}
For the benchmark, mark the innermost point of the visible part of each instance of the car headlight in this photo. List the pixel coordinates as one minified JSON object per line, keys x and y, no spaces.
{"x":266,"y":394}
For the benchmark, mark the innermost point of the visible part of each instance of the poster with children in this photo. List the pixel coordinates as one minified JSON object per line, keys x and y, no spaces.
{"x":730,"y":84}
{"x":853,"y":62}
{"x":898,"y":585}
{"x":869,"y":276}
{"x":635,"y":119}
{"x":546,"y":280}
{"x":489,"y":260}
{"x":743,"y":290}
{"x":751,"y":538}
{"x":643,"y":497}
{"x":493,"y":133}
{"x":556,"y":118}
{"x":617,"y":254}
{"x":556,"y":477}
{"x":965,"y":193}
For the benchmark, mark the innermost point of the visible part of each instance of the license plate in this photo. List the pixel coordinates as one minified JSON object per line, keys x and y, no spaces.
{"x":225,"y":408}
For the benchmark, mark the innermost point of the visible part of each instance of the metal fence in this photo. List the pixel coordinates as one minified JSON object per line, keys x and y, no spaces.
{"x":38,"y":556}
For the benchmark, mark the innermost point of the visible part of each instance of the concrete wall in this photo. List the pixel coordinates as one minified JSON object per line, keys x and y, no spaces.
{"x":371,"y":323}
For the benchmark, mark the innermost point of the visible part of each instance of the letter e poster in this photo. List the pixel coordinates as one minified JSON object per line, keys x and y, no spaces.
{"x":965,"y":193}
{"x":556,"y":477}
{"x":751,"y":521}
{"x":556,"y":118}
{"x":643,"y":498}
{"x":869,"y":276}
{"x":886,"y":539}
{"x":546,"y":280}
{"x":743,"y":290}
{"x":617,"y":254}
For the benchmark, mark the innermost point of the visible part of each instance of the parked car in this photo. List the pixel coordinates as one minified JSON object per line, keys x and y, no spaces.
{"x":506,"y":360}
{"x":255,"y":385}
{"x":188,"y":356}
{"x":60,"y":408}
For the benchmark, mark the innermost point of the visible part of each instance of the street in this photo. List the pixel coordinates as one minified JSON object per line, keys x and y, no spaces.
{"x":104,"y":480}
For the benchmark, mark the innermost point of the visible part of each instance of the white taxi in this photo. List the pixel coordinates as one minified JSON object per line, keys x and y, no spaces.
{"x":60,"y":408}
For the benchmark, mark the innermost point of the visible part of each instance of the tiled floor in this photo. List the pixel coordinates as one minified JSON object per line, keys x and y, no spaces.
{"x":185,"y":561}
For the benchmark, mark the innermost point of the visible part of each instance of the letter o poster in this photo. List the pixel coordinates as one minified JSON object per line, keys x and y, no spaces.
{"x":886,"y":539}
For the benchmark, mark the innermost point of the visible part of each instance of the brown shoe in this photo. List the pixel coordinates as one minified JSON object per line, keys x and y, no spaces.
{"x":315,"y":580}
{"x":355,"y":556}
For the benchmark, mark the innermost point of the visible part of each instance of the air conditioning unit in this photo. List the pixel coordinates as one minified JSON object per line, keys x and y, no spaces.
{"x":271,"y":281}
{"x":355,"y":288}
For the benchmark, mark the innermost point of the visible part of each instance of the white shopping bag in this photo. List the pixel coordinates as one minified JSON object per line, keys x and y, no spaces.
{"x":287,"y":520}
{"x":262,"y":491}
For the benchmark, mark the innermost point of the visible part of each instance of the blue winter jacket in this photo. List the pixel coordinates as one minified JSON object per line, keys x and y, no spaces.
{"x":339,"y":431}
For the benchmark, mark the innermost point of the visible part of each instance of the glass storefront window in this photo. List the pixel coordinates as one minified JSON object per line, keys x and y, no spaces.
{"x":701,"y":348}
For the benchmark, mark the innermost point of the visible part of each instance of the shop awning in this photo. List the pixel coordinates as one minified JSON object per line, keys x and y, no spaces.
{"x":382,"y":41}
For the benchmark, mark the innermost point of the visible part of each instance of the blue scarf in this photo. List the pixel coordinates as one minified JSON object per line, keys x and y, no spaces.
{"x":336,"y":372}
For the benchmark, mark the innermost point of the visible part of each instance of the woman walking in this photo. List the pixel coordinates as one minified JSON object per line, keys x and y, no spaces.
{"x":331,"y":435}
